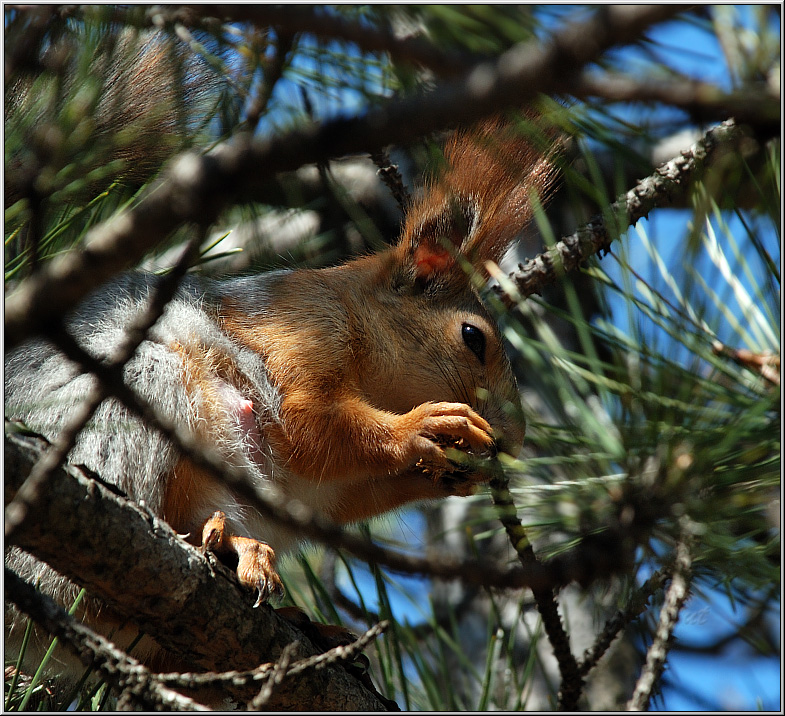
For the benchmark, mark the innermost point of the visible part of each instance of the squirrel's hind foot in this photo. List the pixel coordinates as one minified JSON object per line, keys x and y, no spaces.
{"x":255,"y":560}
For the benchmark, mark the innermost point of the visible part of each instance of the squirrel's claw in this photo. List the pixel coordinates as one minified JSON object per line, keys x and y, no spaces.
{"x":269,"y":585}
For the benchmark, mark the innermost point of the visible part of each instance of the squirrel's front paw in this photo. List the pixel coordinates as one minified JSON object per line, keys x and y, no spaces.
{"x":255,"y":560}
{"x":450,"y":437}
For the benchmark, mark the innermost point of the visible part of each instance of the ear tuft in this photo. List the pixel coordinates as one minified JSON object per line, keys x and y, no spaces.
{"x":482,"y":200}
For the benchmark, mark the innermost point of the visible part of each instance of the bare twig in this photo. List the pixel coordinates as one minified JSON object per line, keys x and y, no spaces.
{"x":196,"y":188}
{"x":597,"y":235}
{"x":121,"y":671}
{"x":262,"y":672}
{"x":675,"y":597}
{"x":276,"y":676}
{"x":343,"y":652}
{"x":233,"y":677}
{"x":332,"y":656}
{"x":636,"y":606}
{"x":391,"y":177}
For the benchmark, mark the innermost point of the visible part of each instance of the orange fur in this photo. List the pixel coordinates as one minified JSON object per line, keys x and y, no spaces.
{"x":333,"y":425}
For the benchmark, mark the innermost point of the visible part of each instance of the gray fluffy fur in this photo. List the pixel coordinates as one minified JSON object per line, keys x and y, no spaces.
{"x":43,"y":388}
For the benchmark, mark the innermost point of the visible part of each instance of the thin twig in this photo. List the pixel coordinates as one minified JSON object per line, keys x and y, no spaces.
{"x":636,"y":606}
{"x":675,"y":598}
{"x":571,"y":680}
{"x":337,"y":596}
{"x":276,"y":676}
{"x":261,"y":672}
{"x":343,"y":652}
{"x":391,"y":177}
{"x":365,"y":616}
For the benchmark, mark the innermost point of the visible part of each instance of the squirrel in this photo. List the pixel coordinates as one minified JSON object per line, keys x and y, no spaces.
{"x":344,"y":387}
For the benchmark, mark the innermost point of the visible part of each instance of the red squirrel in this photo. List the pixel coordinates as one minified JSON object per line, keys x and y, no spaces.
{"x":343,"y":386}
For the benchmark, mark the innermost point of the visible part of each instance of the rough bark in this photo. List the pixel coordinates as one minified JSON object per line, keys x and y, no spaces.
{"x":188,"y":603}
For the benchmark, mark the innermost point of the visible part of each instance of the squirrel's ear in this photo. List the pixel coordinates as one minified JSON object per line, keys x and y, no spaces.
{"x":480,"y":203}
{"x":434,"y":233}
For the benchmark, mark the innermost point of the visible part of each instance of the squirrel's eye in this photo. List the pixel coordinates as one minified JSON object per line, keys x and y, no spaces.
{"x":474,"y":339}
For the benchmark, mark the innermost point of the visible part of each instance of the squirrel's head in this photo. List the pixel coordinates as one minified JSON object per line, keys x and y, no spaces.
{"x":447,"y":346}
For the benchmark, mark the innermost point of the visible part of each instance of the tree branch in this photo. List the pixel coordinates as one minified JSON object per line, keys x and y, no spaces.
{"x":190,"y":604}
{"x":273,"y":674}
{"x":120,"y":670}
{"x":703,"y":101}
{"x":197,"y":188}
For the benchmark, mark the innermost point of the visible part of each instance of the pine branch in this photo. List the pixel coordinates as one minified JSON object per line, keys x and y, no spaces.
{"x":197,"y":188}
